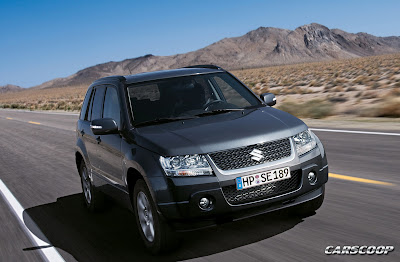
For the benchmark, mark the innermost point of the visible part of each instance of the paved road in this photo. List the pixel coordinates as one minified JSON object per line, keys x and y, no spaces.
{"x":37,"y":165}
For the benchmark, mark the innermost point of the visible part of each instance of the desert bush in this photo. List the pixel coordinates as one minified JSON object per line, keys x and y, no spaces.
{"x":337,"y":99}
{"x":61,"y":105}
{"x":311,"y":109}
{"x":338,"y":89}
{"x":389,"y":108}
{"x":370,"y":95}
{"x":393,"y":93}
{"x":315,"y":83}
{"x":375,"y":85}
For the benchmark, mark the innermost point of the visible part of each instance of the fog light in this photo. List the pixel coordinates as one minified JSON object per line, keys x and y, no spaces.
{"x":312,"y":178}
{"x":205,"y":203}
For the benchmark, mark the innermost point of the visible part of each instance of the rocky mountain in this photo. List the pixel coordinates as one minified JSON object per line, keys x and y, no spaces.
{"x":265,"y":46}
{"x":9,"y":89}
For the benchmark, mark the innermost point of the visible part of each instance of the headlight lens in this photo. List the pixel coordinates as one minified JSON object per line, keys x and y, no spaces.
{"x":304,"y":142}
{"x":189,"y":165}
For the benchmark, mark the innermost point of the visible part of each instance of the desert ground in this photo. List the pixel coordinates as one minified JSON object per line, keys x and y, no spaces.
{"x":358,"y":87}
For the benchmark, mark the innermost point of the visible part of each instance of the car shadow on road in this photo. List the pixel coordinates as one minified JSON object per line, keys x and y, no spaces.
{"x":113,"y":236}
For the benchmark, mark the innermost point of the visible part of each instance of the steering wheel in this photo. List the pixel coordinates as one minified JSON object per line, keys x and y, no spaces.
{"x":208,"y":104}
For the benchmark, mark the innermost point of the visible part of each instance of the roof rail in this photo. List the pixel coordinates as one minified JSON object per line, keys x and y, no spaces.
{"x":116,"y":77}
{"x":205,"y":66}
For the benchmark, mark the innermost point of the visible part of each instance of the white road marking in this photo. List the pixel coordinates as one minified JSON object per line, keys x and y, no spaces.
{"x":48,"y":252}
{"x":355,"y":132}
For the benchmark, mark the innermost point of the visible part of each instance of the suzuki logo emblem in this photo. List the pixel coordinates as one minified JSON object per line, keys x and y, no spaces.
{"x":257,"y":155}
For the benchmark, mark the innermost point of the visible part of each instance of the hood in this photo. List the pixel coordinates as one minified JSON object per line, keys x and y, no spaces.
{"x":218,"y":132}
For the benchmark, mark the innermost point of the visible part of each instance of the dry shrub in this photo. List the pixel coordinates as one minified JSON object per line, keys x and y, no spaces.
{"x":311,"y":109}
{"x":338,"y":89}
{"x":390,"y":108}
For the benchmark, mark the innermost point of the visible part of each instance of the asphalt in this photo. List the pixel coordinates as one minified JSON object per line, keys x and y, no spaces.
{"x":37,"y":165}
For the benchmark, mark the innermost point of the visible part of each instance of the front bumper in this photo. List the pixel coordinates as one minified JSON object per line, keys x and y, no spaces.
{"x":186,"y":214}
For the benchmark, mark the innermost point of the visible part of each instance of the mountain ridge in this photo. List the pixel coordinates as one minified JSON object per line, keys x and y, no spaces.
{"x":264,"y":46}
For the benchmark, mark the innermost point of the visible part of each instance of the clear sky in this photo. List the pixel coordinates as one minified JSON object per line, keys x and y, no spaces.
{"x":44,"y":39}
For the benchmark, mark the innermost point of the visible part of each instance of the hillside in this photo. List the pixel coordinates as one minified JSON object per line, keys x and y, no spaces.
{"x":10,"y":89}
{"x":265,"y":46}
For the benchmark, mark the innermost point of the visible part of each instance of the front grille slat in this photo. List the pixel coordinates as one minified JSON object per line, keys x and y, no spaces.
{"x":240,"y":157}
{"x":235,"y":197}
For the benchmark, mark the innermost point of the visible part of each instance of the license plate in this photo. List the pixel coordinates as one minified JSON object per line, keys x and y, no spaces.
{"x":262,"y":178}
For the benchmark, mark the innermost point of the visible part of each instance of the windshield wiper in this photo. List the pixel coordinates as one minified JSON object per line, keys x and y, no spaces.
{"x":219,"y":111}
{"x":162,"y":120}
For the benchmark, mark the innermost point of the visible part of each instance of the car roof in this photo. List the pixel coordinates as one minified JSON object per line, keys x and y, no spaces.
{"x":156,"y":75}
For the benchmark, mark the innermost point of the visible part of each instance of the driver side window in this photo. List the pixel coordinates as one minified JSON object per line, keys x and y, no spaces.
{"x":230,"y":94}
{"x":111,"y":105}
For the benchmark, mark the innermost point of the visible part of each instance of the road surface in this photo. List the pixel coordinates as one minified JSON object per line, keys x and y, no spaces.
{"x":361,"y":207}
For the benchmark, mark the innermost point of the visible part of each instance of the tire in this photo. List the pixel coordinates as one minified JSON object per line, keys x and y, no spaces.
{"x":308,"y":208}
{"x":157,"y":235}
{"x":93,"y":199}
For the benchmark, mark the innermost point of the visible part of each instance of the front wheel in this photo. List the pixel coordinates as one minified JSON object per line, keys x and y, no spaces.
{"x":155,"y":232}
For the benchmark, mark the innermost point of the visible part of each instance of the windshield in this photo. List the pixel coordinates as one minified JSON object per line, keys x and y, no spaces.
{"x":188,"y":96}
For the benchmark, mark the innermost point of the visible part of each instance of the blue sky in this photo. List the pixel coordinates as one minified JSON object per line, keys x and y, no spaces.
{"x":42,"y":40}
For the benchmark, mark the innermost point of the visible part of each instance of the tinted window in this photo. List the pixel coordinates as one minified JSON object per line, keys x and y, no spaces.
{"x":230,"y":92}
{"x":146,"y":92}
{"x":88,"y":115}
{"x":188,"y":96}
{"x":97,"y":107}
{"x":86,"y":103}
{"x":111,"y":105}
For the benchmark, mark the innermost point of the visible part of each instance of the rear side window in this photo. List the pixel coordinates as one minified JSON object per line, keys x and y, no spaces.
{"x":111,"y":105}
{"x":88,"y":115}
{"x":97,"y":107}
{"x":86,"y":104}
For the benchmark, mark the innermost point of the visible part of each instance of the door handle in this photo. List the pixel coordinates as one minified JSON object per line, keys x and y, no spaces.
{"x":82,"y":132}
{"x":98,"y":139}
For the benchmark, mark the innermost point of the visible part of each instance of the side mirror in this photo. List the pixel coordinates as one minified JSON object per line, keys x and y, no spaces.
{"x":104,"y":126}
{"x":268,"y":99}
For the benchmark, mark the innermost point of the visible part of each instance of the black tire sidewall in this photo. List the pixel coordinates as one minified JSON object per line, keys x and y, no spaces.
{"x":82,"y":167}
{"x":97,"y":201}
{"x":156,"y":245}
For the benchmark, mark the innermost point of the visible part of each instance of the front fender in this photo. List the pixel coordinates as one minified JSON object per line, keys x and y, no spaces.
{"x":146,"y":163}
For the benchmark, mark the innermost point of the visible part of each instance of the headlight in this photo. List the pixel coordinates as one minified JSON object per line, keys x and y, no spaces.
{"x":189,"y":165}
{"x":304,"y":142}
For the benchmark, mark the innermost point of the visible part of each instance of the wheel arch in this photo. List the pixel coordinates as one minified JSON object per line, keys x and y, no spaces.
{"x":78,"y":159}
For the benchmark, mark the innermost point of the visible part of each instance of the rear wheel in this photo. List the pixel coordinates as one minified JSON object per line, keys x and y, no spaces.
{"x":93,"y":199}
{"x":157,"y":235}
{"x":308,"y":208}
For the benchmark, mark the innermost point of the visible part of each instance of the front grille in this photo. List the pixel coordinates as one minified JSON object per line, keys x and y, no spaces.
{"x":241,"y":157}
{"x":234,"y":196}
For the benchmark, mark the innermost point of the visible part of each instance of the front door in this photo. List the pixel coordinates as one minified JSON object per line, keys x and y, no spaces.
{"x":92,"y":141}
{"x":110,"y":157}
